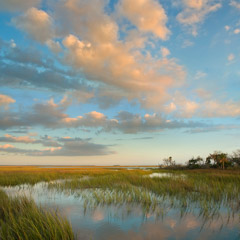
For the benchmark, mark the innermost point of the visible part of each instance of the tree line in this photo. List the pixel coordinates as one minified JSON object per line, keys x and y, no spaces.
{"x":217,"y":159}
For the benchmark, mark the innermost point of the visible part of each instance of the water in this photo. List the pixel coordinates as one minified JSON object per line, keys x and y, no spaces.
{"x":102,"y":167}
{"x":170,"y":175}
{"x":128,"y":221}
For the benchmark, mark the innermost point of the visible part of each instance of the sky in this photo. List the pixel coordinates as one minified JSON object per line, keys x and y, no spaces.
{"x":116,"y":82}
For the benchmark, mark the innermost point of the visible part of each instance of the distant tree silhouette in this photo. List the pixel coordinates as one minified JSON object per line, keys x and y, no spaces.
{"x":195,"y":162}
{"x":220,"y":159}
{"x":235,"y":158}
{"x":169,"y":162}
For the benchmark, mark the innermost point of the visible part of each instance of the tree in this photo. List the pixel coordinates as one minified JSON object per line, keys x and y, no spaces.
{"x":168,"y":162}
{"x":195,"y":162}
{"x":235,"y":158}
{"x":219,"y":158}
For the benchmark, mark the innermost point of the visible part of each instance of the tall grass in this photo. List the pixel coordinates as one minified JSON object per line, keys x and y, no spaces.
{"x":21,"y":219}
{"x":207,"y":191}
{"x":12,"y":176}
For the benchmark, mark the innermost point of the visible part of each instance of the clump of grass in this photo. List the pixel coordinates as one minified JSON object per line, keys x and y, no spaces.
{"x":12,"y":176}
{"x":21,"y":219}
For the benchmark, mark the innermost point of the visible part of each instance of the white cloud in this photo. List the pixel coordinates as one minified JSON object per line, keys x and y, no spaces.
{"x":200,"y":75}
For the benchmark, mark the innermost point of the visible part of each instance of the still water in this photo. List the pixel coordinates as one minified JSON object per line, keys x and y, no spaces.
{"x":129,"y":221}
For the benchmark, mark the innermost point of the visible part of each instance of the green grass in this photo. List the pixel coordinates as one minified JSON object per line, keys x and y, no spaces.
{"x":21,"y":219}
{"x":207,"y":191}
{"x":12,"y":176}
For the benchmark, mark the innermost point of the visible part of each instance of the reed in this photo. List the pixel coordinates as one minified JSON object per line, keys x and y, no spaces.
{"x":21,"y":219}
{"x":207,"y":191}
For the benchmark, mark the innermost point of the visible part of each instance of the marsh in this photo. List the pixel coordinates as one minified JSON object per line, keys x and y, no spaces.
{"x":136,"y":204}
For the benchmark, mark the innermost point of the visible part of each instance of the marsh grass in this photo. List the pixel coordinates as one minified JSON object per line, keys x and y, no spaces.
{"x":21,"y":219}
{"x":12,"y":176}
{"x":207,"y":191}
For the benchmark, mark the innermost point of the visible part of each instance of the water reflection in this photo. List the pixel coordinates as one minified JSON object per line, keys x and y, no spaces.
{"x":128,"y":221}
{"x":170,"y":175}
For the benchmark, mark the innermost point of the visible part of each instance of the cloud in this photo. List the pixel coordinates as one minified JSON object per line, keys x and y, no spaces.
{"x":195,"y":12}
{"x":187,"y":43}
{"x":6,"y":146}
{"x":86,"y":19}
{"x":204,"y":108}
{"x":45,"y":114}
{"x":20,"y":75}
{"x":231,"y":57}
{"x":165,"y":52}
{"x":200,"y":75}
{"x":78,"y":148}
{"x":20,"y":139}
{"x":36,"y":23}
{"x":93,"y":45}
{"x":52,"y":115}
{"x":114,"y":65}
{"x":236,"y":31}
{"x":54,"y":45}
{"x":181,"y":106}
{"x":235,"y":4}
{"x":27,"y":67}
{"x":213,"y":108}
{"x":203,"y":93}
{"x":213,"y":128}
{"x":147,"y":16}
{"x":16,"y":5}
{"x":227,"y":28}
{"x":75,"y":147}
{"x":24,"y":56}
{"x":5,"y":101}
{"x":44,"y":141}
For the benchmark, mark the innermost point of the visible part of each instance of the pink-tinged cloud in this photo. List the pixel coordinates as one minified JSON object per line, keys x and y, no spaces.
{"x":88,"y":20}
{"x":5,"y":101}
{"x":66,"y":147}
{"x":147,"y":15}
{"x":129,"y":73}
{"x":20,"y":139}
{"x":36,"y":23}
{"x":6,"y":146}
{"x":165,"y":52}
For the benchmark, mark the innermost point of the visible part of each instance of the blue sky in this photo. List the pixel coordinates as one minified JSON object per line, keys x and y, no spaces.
{"x":118,"y":82}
